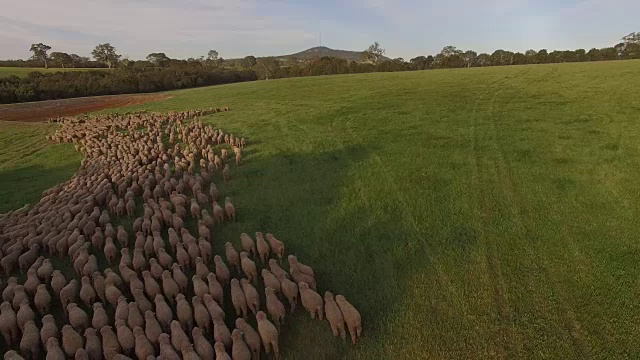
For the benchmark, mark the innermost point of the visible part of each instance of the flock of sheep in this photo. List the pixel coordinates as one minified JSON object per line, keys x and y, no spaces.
{"x":95,"y":289}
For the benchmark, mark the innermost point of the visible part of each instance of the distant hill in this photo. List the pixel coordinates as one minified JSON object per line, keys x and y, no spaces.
{"x":321,"y":51}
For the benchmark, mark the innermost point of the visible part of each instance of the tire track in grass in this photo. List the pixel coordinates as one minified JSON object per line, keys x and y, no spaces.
{"x":523,"y":226}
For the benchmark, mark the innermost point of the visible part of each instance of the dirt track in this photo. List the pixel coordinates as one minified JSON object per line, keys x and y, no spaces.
{"x":41,"y":110}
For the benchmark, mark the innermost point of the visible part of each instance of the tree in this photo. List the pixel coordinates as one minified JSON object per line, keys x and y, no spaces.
{"x":61,"y":59}
{"x":107,"y":54}
{"x":419,"y":63}
{"x":76,"y":59}
{"x":267,"y":67}
{"x":469,"y":56}
{"x":450,"y":50}
{"x":373,"y":53}
{"x":158,"y":59}
{"x":212,"y":55}
{"x":249,"y":61}
{"x":633,"y":38}
{"x":40,"y":52}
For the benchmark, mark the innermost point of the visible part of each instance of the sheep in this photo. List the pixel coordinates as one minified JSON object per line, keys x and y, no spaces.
{"x":24,"y":314}
{"x":238,"y":299}
{"x":8,"y":324}
{"x":277,"y":270}
{"x":218,"y":213}
{"x":122,"y":309}
{"x":221,"y":332}
{"x":270,"y":280}
{"x":226,"y":174}
{"x":135,"y":317}
{"x":155,"y":268}
{"x":87,"y":293}
{"x":201,"y":345}
{"x":68,"y":293}
{"x":45,"y":270}
{"x":299,"y":277}
{"x":215,"y":311}
{"x":222,"y":271}
{"x":184,"y":312}
{"x":163,"y":312}
{"x":233,"y":258}
{"x":12,"y":355}
{"x":93,"y":346}
{"x":201,"y":268}
{"x":49,"y":329}
{"x":111,"y":292}
{"x":239,"y":349}
{"x":182,"y":256}
{"x":268,"y":334}
{"x":248,"y":267}
{"x":143,"y":347}
{"x":138,"y":261}
{"x":141,"y":300}
{"x":200,"y":288}
{"x":42,"y":300}
{"x":169,"y":285}
{"x":179,"y":277}
{"x":151,"y":286}
{"x":179,"y":338}
{"x":311,"y":300}
{"x":78,"y":318}
{"x":166,"y":349}
{"x":53,"y":349}
{"x":8,"y":292}
{"x":100,"y":317}
{"x":351,"y":317}
{"x":275,"y":308}
{"x":152,"y":328}
{"x":251,"y":296}
{"x":125,"y":336}
{"x":334,"y":315}
{"x":19,"y":295}
{"x":71,"y":340}
{"x":205,"y":249}
{"x":57,"y":281}
{"x":277,"y":247}
{"x":109,"y":340}
{"x":229,"y":209}
{"x":110,"y":250}
{"x":31,"y":283}
{"x":263,"y":247}
{"x":247,"y":244}
{"x":188,"y":353}
{"x":221,"y":352}
{"x":30,"y":341}
{"x":215,"y":289}
{"x":304,"y":269}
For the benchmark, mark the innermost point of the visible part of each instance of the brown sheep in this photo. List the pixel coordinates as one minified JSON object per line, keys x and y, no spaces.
{"x":226,"y":174}
{"x":222,"y":271}
{"x":122,"y":309}
{"x":233,"y":258}
{"x":277,"y":270}
{"x":45,"y":270}
{"x":78,"y":318}
{"x":57,"y":281}
{"x":188,"y":353}
{"x":184,"y":260}
{"x":125,"y":336}
{"x":24,"y":314}
{"x":201,"y":314}
{"x":30,"y":342}
{"x":218,"y":213}
{"x":351,"y":317}
{"x":99,"y":285}
{"x":12,"y":355}
{"x":238,"y":299}
{"x":221,"y":332}
{"x":163,"y":312}
{"x":213,"y":308}
{"x":87,"y":293}
{"x":8,"y":292}
{"x":200,"y":288}
{"x":277,"y":246}
{"x":9,"y":324}
{"x":294,"y":263}
{"x":135,"y":317}
{"x":169,"y":285}
{"x":42,"y":300}
{"x":275,"y":308}
{"x":229,"y":209}
{"x":31,"y":283}
{"x":221,"y":352}
{"x":111,"y":292}
{"x":299,"y":277}
{"x":268,"y":334}
{"x":180,"y":278}
{"x":195,"y":209}
{"x":202,"y":270}
{"x":311,"y":300}
{"x":263,"y":247}
{"x":93,"y":346}
{"x":201,"y":345}
{"x":179,"y":338}
{"x":71,"y":340}
{"x":138,"y":261}
{"x":249,"y":267}
{"x":184,"y":313}
{"x":270,"y":280}
{"x":81,"y":354}
{"x":251,"y":296}
{"x":166,"y":349}
{"x":333,"y":315}
{"x":215,"y":289}
{"x":205,"y":250}
{"x":251,"y":337}
{"x":100,"y":317}
{"x":247,"y":244}
{"x":122,"y":237}
{"x":110,"y":250}
{"x":143,"y":347}
{"x":203,"y":230}
{"x":109,"y":340}
{"x":49,"y":329}
{"x":239,"y":349}
{"x":155,"y":268}
{"x":19,"y":295}
{"x":152,"y":328}
{"x":141,"y":300}
{"x":53,"y":349}
{"x":68,"y":293}
{"x":151,"y":286}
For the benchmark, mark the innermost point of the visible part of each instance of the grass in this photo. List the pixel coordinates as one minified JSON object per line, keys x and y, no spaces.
{"x":475,"y":213}
{"x":23,"y":72}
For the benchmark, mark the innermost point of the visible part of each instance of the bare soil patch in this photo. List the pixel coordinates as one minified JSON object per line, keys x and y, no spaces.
{"x":42,"y":110}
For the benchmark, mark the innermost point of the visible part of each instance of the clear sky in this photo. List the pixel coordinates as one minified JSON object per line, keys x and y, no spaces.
{"x":236,"y":28}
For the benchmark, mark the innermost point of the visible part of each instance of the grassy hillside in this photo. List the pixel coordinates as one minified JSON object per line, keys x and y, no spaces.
{"x":475,"y":213}
{"x":22,"y":72}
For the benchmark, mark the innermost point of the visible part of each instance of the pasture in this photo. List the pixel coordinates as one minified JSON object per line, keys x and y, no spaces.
{"x":472,"y":213}
{"x":23,"y":72}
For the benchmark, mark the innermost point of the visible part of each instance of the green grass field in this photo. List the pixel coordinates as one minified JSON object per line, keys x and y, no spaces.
{"x":23,"y":72}
{"x":468,"y":214}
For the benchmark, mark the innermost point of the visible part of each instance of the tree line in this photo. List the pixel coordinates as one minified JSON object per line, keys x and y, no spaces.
{"x":158,"y":72}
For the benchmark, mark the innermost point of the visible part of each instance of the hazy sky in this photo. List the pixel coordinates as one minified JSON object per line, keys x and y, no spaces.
{"x":236,"y":28}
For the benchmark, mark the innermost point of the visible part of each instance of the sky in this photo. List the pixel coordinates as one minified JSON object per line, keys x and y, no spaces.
{"x":237,"y":28}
